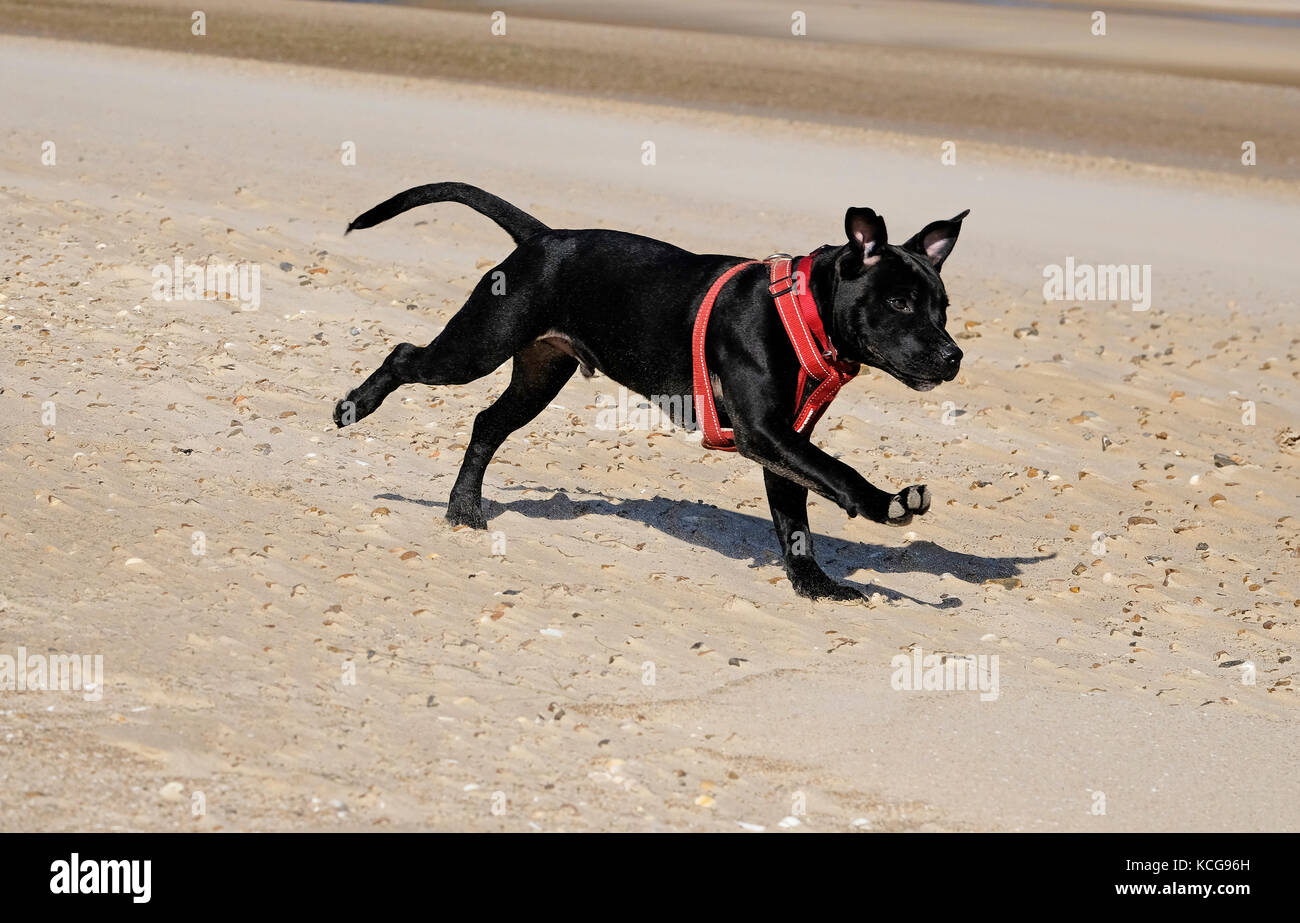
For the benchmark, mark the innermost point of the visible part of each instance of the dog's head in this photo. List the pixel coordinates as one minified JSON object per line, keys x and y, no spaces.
{"x":890,"y":306}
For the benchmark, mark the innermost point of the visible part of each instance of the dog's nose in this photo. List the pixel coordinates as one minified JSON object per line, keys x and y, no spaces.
{"x":950,"y":356}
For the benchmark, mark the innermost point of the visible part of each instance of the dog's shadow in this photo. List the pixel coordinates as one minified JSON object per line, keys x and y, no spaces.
{"x":752,"y":539}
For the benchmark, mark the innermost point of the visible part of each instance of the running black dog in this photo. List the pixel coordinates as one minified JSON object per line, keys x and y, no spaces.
{"x":624,"y":305}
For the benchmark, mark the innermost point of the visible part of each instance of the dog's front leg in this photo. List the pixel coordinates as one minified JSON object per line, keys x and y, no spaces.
{"x":775,"y":445}
{"x":789,"y":504}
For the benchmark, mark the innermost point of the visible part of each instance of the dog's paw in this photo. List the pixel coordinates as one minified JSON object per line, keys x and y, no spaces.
{"x":917,"y":499}
{"x":827,"y":589}
{"x":811,"y":582}
{"x":358,"y":404}
{"x":466,"y":514}
{"x":345,"y":412}
{"x":909,"y":502}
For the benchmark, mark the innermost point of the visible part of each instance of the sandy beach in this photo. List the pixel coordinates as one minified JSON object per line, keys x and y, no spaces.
{"x":293,"y":638}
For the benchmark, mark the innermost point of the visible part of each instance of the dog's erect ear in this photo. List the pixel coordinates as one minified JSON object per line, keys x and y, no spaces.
{"x":866,"y":233}
{"x":936,"y":240}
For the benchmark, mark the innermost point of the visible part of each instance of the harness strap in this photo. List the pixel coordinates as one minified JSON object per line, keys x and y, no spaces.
{"x":803,"y":325}
{"x":713,"y":435}
{"x":818,"y":360}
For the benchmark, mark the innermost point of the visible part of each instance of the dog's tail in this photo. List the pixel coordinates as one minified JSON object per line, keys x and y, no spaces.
{"x":515,"y":221}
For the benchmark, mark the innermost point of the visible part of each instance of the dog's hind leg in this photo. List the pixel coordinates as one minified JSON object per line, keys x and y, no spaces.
{"x":483,"y":334}
{"x":540,"y":371}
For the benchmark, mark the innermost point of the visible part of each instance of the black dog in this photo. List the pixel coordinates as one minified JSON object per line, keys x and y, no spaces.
{"x":624,"y":305}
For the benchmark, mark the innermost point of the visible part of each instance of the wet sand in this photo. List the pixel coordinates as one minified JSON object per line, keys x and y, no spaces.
{"x":1023,"y":77}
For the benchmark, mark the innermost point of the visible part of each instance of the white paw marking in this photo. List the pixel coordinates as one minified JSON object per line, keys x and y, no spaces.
{"x":895,"y":509}
{"x":913,"y":498}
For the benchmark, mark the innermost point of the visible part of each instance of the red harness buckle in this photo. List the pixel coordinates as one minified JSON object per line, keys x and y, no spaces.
{"x":818,"y":361}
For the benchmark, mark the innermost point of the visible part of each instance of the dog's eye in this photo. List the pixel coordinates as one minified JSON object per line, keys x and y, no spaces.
{"x":901,"y":305}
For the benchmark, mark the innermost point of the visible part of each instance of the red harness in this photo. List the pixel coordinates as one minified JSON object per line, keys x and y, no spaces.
{"x":818,"y":360}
